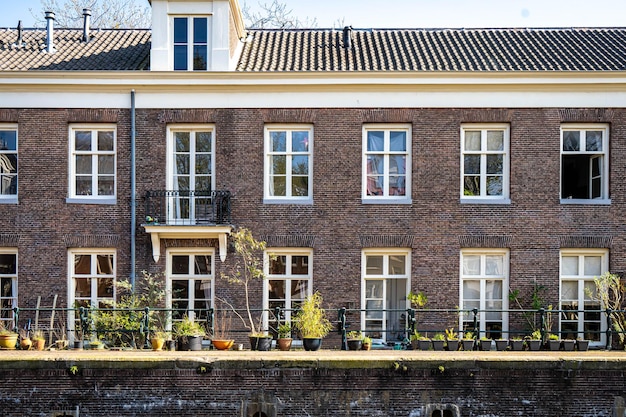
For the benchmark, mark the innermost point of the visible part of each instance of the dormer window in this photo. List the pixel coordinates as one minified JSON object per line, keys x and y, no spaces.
{"x":191,"y":43}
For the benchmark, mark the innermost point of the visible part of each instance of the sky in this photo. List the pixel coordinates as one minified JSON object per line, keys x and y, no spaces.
{"x":413,"y":13}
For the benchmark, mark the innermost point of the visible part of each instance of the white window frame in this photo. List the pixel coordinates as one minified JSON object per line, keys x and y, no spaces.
{"x":466,"y":318}
{"x":190,"y":41}
{"x":604,"y":158}
{"x":173,"y":203}
{"x":94,"y":198}
{"x":191,"y":278}
{"x":93,"y":298}
{"x":288,"y":198}
{"x":385,"y":198}
{"x":484,"y":198}
{"x":386,"y":253}
{"x":288,"y":276}
{"x":583,"y":278}
{"x":8,"y":321}
{"x":5,"y":164}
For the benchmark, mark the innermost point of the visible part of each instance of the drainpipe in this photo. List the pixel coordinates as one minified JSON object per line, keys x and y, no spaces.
{"x":50,"y":32}
{"x":133,"y":196}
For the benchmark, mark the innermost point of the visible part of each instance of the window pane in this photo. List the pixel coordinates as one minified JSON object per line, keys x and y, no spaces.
{"x":106,"y":185}
{"x":202,"y":264}
{"x":105,"y":288}
{"x":300,"y":141}
{"x":83,"y":164}
{"x":471,"y":185}
{"x":8,"y":140}
{"x":82,"y":140}
{"x":593,"y":141}
{"x":8,"y":262}
{"x":279,"y":186}
{"x":200,"y":57}
{"x":279,"y":165}
{"x":300,"y":165}
{"x":471,"y":290}
{"x":593,"y":266}
{"x":203,"y":141}
{"x":180,"y":30}
{"x":83,"y":287}
{"x":471,"y":265}
{"x":182,"y":141}
{"x":182,"y":184}
{"x":278,"y":266}
{"x":374,"y":288}
{"x":571,"y":140}
{"x":106,"y":164}
{"x":494,"y":185}
{"x":105,"y":140}
{"x":374,"y":265}
{"x":494,"y":265}
{"x":397,"y":141}
{"x":375,"y":164}
{"x":180,"y":288}
{"x":83,"y":186}
{"x":300,"y":186}
{"x":397,"y":264}
{"x":495,"y":164}
{"x":300,"y":265}
{"x":180,"y":264}
{"x":203,"y":164}
{"x":299,"y":289}
{"x":200,"y":30}
{"x":202,"y":289}
{"x":180,"y":57}
{"x":569,"y":265}
{"x":278,"y":141}
{"x":472,"y":140}
{"x":471,"y":164}
{"x":495,"y":140}
{"x":82,"y":264}
{"x":182,"y":164}
{"x":569,"y":290}
{"x":277,"y":289}
{"x":375,"y":141}
{"x":105,"y":264}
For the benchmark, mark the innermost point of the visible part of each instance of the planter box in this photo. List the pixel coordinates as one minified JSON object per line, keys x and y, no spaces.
{"x":355,"y":344}
{"x":582,"y":345}
{"x":423,"y":344}
{"x":554,"y":345}
{"x":485,"y":345}
{"x":534,"y":344}
{"x":502,"y":344}
{"x":568,"y":345}
{"x":454,"y":344}
{"x":468,"y":344}
{"x":438,"y":344}
{"x":516,"y":345}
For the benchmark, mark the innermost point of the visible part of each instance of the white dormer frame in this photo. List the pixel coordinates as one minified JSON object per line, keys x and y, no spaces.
{"x":221,"y":14}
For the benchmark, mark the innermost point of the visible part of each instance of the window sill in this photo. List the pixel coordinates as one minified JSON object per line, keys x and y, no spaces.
{"x":9,"y":200}
{"x":386,"y":201}
{"x":503,"y":201}
{"x":83,"y":200}
{"x":293,"y":201}
{"x":585,"y":202}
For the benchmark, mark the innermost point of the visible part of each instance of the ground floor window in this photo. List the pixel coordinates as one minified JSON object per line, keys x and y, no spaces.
{"x":190,"y":282}
{"x":92,"y":278}
{"x":581,"y":315}
{"x":8,"y":285}
{"x":385,"y":285}
{"x":484,"y":286}
{"x":289,"y":277}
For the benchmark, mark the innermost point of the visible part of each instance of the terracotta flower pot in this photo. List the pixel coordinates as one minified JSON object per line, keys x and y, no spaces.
{"x":284,"y":343}
{"x":222,"y":344}
{"x":39,"y":344}
{"x":26,"y":343}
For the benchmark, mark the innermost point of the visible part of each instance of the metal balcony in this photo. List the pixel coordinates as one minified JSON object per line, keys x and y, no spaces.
{"x":178,"y":208}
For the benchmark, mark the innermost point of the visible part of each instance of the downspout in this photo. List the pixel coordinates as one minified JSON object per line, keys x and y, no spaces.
{"x":133,"y":196}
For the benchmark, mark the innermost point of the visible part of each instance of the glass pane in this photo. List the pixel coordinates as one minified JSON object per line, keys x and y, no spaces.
{"x":180,"y":264}
{"x":82,"y":141}
{"x":8,"y":263}
{"x":569,"y":265}
{"x":495,"y":164}
{"x":182,"y":183}
{"x":494,"y":265}
{"x":472,"y":140}
{"x":180,"y":30}
{"x":182,"y":164}
{"x":203,"y":141}
{"x":593,"y":141}
{"x":493,"y":294}
{"x":278,"y":141}
{"x":300,"y":165}
{"x":397,"y":264}
{"x":471,"y":164}
{"x":83,"y":186}
{"x":105,"y":288}
{"x":397,"y":164}
{"x":106,"y":164}
{"x":375,"y":141}
{"x":8,"y":163}
{"x":180,"y":57}
{"x":471,"y":185}
{"x":202,"y":264}
{"x":180,"y":288}
{"x":203,"y":164}
{"x":202,"y":289}
{"x":83,"y":287}
{"x":471,"y":265}
{"x":83,"y":164}
{"x":105,"y":140}
{"x":374,"y":265}
{"x":300,"y":186}
{"x":279,"y":186}
{"x":571,"y":140}
{"x":300,"y":141}
{"x":471,"y":290}
{"x":200,"y":57}
{"x":299,"y":289}
{"x":182,"y":141}
{"x":593,"y":266}
{"x":300,"y":265}
{"x":396,"y":185}
{"x":8,"y":140}
{"x":397,"y":141}
{"x":569,"y":290}
{"x":375,"y":164}
{"x":200,"y":30}
{"x":203,"y":183}
{"x":494,"y":185}
{"x":82,"y":264}
{"x":277,"y":289}
{"x":495,"y":140}
{"x":374,"y":288}
{"x":104,"y":264}
{"x":279,"y":165}
{"x":591,"y":291}
{"x":106,"y":185}
{"x":278,"y":266}
{"x":6,"y":287}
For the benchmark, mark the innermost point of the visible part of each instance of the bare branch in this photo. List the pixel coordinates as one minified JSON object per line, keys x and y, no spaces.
{"x":274,"y":15}
{"x":104,"y":13}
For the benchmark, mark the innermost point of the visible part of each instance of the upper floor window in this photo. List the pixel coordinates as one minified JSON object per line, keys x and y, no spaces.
{"x":288,"y":164}
{"x":386,"y":157}
{"x":8,"y":162}
{"x":191,"y":43}
{"x":485,"y":163}
{"x":92,"y":163}
{"x":584,"y":163}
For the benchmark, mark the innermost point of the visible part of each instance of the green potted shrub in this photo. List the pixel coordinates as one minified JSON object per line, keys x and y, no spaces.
{"x":468,"y":341}
{"x":485,"y":343}
{"x":554,"y":343}
{"x":189,"y":333}
{"x":452,"y":339}
{"x":355,"y":340}
{"x":516,"y":343}
{"x":534,"y":342}
{"x":438,"y":341}
{"x":284,"y":336}
{"x":310,"y":320}
{"x":366,"y":343}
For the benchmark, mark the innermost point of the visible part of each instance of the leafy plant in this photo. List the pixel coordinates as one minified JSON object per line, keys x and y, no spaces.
{"x":417,"y":300}
{"x":354,"y":335}
{"x":366,"y":340}
{"x":187,"y":327}
{"x":468,"y":335}
{"x":610,"y":292}
{"x":439,"y":336}
{"x":310,"y":320}
{"x":451,"y":334}
{"x":536,"y":335}
{"x":284,"y":330}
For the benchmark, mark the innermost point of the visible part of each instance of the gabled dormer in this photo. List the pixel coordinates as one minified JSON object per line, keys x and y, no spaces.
{"x":196,"y":35}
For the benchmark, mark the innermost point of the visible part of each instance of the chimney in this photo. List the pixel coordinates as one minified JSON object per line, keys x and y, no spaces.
{"x":86,"y":28}
{"x":50,"y":32}
{"x":19,"y":43}
{"x":347,"y":37}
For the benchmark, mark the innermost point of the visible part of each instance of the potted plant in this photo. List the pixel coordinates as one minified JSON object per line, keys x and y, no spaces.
{"x":554,"y":343}
{"x":438,"y":341}
{"x":568,"y":344}
{"x":366,"y":343}
{"x":534,"y":343}
{"x":468,"y":341}
{"x":25,"y":342}
{"x":502,"y":344}
{"x":582,"y":345}
{"x":221,"y":339}
{"x":248,"y":269}
{"x":39,"y":341}
{"x":452,"y":339}
{"x":310,"y":320}
{"x":157,"y":339}
{"x":189,"y":333}
{"x":284,"y":336}
{"x":96,"y":344}
{"x":485,"y":343}
{"x":355,"y":340}
{"x":517,"y":344}
{"x":420,"y":341}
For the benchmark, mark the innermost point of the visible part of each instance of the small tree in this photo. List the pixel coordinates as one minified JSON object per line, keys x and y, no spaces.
{"x":248,"y":268}
{"x":610,"y":291}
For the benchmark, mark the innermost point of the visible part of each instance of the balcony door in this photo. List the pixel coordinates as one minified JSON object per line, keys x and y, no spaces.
{"x":191,"y":165}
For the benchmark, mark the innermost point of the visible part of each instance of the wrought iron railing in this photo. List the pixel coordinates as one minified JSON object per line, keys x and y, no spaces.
{"x":200,"y":207}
